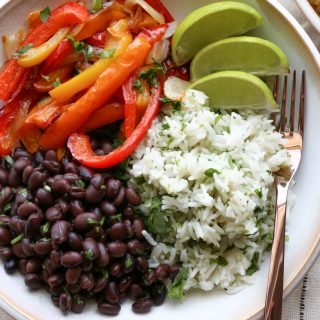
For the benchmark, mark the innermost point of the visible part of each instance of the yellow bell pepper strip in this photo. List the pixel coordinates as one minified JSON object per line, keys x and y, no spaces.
{"x":81,"y":149}
{"x":114,"y":48}
{"x":104,"y":88}
{"x":35,"y":56}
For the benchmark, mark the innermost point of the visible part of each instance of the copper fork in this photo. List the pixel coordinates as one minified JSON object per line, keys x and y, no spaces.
{"x":294,"y":136}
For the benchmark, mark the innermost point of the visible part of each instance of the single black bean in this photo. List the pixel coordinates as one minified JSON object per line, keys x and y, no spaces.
{"x":128,"y":213}
{"x":100,"y":284}
{"x":71,"y":259}
{"x":106,"y":147}
{"x":6,"y":196}
{"x":36,"y":180}
{"x":44,"y":277}
{"x":71,"y":178}
{"x":21,"y":153}
{"x":34,"y":265}
{"x":115,"y":269}
{"x":14,"y":178}
{"x":77,"y":193}
{"x":57,"y":177}
{"x":85,"y":173}
{"x":162,"y":272}
{"x":149,"y":278}
{"x":54,"y":214}
{"x":133,"y":197}
{"x":76,"y":207}
{"x":123,"y":296}
{"x":142,"y":264}
{"x":94,"y":195}
{"x":138,"y":227}
{"x":112,"y":293}
{"x":26,"y":209}
{"x":109,"y":309}
{"x":10,"y":266}
{"x":17,"y":250}
{"x":20,"y":164}
{"x":86,"y":281}
{"x":33,"y":225}
{"x":118,"y":231}
{"x":136,"y":291}
{"x":63,"y":205}
{"x":50,"y":155}
{"x":55,"y":259}
{"x":78,"y":304}
{"x":59,"y":231}
{"x":54,"y":167}
{"x":55,"y":279}
{"x":4,"y":176}
{"x":42,"y":246}
{"x":48,"y":266}
{"x":136,"y":247}
{"x":71,"y":168}
{"x":65,"y":302}
{"x":22,"y":263}
{"x":49,"y":182}
{"x":90,"y":249}
{"x":73,"y":288}
{"x":73,"y":275}
{"x":113,"y":187}
{"x":97,"y":180}
{"x":60,"y":186}
{"x":94,"y":143}
{"x":5,"y":253}
{"x":158,"y":293}
{"x":124,"y":284}
{"x":96,"y":233}
{"x":85,"y":221}
{"x":57,"y":290}
{"x":104,"y":258}
{"x":117,"y":249}
{"x":44,"y":197}
{"x":87,"y":265}
{"x":108,"y":208}
{"x":33,"y":281}
{"x":5,"y":236}
{"x":129,"y":228}
{"x":75,"y":241}
{"x":26,"y":174}
{"x":128,"y":264}
{"x":120,"y":198}
{"x":142,"y":306}
{"x":28,"y":247}
{"x":17,"y":225}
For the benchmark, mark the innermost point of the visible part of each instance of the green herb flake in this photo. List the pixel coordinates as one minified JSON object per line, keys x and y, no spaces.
{"x":80,"y":184}
{"x":102,"y":221}
{"x":23,"y":192}
{"x":7,"y":207}
{"x":45,"y":228}
{"x":105,"y":274}
{"x":165,"y":126}
{"x":81,"y":47}
{"x":45,"y":14}
{"x":106,"y":54}
{"x":57,"y":83}
{"x":217,"y":119}
{"x":128,"y":263}
{"x":210,"y":172}
{"x":137,"y":85}
{"x":222,"y":261}
{"x":258,"y":210}
{"x":254,"y":265}
{"x":176,"y":105}
{"x":79,"y":300}
{"x":97,"y":5}
{"x":153,"y":203}
{"x":16,"y":239}
{"x":116,"y":217}
{"x":258,"y":193}
{"x":9,"y":160}
{"x":140,"y":180}
{"x":22,"y":50}
{"x":287,"y":238}
{"x":89,"y":254}
{"x":91,"y":221}
{"x":176,"y":291}
{"x":45,"y":77}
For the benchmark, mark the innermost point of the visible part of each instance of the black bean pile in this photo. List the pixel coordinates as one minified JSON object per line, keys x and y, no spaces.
{"x":73,"y":231}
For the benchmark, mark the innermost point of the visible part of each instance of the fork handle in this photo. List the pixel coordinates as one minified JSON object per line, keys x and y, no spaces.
{"x":273,"y":305}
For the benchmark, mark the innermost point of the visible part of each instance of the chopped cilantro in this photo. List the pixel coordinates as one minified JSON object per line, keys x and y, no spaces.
{"x":9,"y":160}
{"x":97,"y":5}
{"x":23,"y":50}
{"x":57,"y":83}
{"x":140,"y":180}
{"x":106,"y":54}
{"x":159,"y":66}
{"x":176,"y":105}
{"x":176,"y":291}
{"x":151,"y":75}
{"x":210,"y":172}
{"x":222,"y":261}
{"x":102,"y":221}
{"x":137,"y":84}
{"x":128,"y":263}
{"x":116,"y":217}
{"x":89,"y":254}
{"x":81,"y":47}
{"x":79,"y":300}
{"x":165,"y":126}
{"x":258,"y":193}
{"x":23,"y":192}
{"x":47,"y":78}
{"x":153,"y":203}
{"x":258,"y":210}
{"x":45,"y":228}
{"x":80,"y":184}
{"x":16,"y":239}
{"x":217,"y":119}
{"x":91,"y":221}
{"x":105,"y":273}
{"x":45,"y":14}
{"x":254,"y":265}
{"x":7,"y":207}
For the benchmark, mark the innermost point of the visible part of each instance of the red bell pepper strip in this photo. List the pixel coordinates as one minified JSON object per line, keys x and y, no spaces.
{"x":12,"y":117}
{"x":67,"y":14}
{"x":155,"y":34}
{"x":98,"y":40}
{"x":161,"y":8}
{"x":55,"y":60}
{"x":130,"y":106}
{"x":104,"y":88}
{"x":81,"y":149}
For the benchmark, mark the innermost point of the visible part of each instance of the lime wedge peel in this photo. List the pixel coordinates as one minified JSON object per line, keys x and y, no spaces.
{"x":236,"y":90}
{"x":209,"y":24}
{"x":250,"y":54}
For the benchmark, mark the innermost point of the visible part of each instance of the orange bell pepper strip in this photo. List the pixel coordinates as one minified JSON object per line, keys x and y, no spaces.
{"x":103,"y":116}
{"x":81,"y":149}
{"x":30,"y":135}
{"x":117,"y":44}
{"x":65,"y":15}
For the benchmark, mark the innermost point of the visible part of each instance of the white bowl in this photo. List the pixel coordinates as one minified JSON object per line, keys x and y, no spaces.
{"x":310,"y":13}
{"x":304,"y":223}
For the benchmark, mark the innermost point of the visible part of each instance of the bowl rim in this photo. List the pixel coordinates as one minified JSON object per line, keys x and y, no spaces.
{"x":13,"y":309}
{"x":309,"y":13}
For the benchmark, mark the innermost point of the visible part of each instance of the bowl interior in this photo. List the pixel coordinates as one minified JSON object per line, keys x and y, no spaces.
{"x":310,"y":13}
{"x":304,"y":223}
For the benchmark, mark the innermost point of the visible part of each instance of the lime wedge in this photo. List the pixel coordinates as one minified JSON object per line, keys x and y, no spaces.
{"x":250,"y":54}
{"x":236,"y":90}
{"x":211,"y":23}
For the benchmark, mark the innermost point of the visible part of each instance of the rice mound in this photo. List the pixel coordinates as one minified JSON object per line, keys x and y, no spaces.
{"x":212,"y":173}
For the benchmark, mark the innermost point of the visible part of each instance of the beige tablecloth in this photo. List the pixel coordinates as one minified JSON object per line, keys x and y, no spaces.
{"x":304,"y":302}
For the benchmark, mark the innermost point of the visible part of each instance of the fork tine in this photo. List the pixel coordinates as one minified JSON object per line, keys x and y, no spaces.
{"x":275,"y":95}
{"x":283,"y":107}
{"x":293,"y":100}
{"x":302,"y":103}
